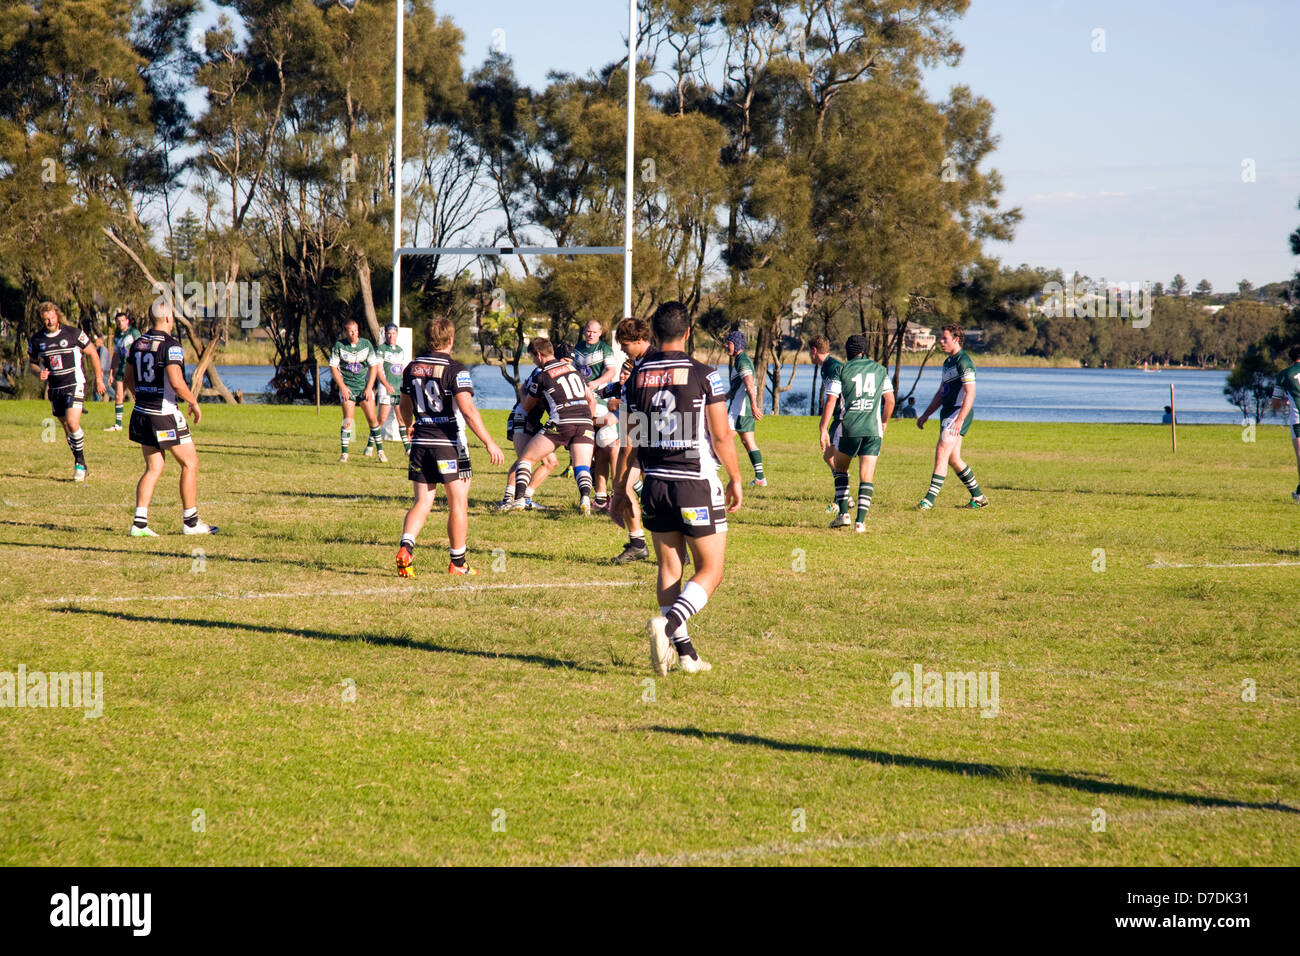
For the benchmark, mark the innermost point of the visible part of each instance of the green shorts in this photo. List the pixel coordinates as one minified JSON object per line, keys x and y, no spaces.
{"x":965,"y":426}
{"x":742,"y":423}
{"x":1295,"y":431}
{"x":854,"y":447}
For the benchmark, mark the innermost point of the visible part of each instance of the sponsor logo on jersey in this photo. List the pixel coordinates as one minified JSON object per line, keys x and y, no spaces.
{"x":695,"y":517}
{"x":423,"y":371}
{"x":463,"y":379}
{"x":716,"y":385}
{"x":659,"y":377}
{"x":168,"y":435}
{"x":175,"y":353}
{"x":447,"y":467}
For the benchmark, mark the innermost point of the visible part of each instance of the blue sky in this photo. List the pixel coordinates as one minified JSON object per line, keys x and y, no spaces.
{"x":1127,"y":163}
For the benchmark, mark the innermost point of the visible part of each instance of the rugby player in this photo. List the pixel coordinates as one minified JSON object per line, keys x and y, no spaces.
{"x":155,"y":375}
{"x":354,"y":363}
{"x":570,"y":404}
{"x":56,"y":355}
{"x":520,"y":429}
{"x":820,"y":350}
{"x":677,"y":432}
{"x":434,"y":387}
{"x":863,"y":389}
{"x":391,"y":364}
{"x":955,"y":400}
{"x":1286,"y":388}
{"x":742,"y":402}
{"x":124,"y":334}
{"x":634,"y":339}
{"x":599,"y":365}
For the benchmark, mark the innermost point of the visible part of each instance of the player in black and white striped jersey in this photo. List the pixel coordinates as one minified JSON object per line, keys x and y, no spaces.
{"x":674,"y":418}
{"x":155,"y":375}
{"x":56,"y":354}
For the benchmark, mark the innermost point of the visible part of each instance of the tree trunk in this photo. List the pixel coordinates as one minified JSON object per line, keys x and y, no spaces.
{"x":362,"y":264}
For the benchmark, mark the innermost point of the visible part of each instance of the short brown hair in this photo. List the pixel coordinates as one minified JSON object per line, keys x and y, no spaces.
{"x":49,"y":307}
{"x":632,"y":330}
{"x":820,"y":342}
{"x":541,"y":347}
{"x":439,"y":332}
{"x":956,"y":331}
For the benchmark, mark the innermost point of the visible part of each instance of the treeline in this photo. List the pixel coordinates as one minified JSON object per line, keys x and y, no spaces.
{"x":790,"y":166}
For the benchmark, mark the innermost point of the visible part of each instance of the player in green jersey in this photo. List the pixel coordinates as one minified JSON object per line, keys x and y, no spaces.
{"x":599,"y":365}
{"x":354,"y":363}
{"x":391,"y":363}
{"x":1287,"y":389}
{"x":865,"y":394}
{"x":594,"y":357}
{"x":742,"y":402}
{"x":820,"y":350}
{"x":124,"y":334}
{"x":955,"y":400}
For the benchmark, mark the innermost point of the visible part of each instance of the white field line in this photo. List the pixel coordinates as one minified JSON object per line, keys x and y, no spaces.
{"x":1161,"y":565}
{"x":787,"y":848}
{"x":337,"y":592}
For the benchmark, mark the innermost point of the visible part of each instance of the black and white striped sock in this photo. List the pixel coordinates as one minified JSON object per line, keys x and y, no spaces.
{"x":523,"y":475}
{"x":689,"y":602}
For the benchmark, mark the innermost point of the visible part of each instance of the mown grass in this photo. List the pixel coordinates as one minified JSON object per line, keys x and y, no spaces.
{"x":227,"y":674}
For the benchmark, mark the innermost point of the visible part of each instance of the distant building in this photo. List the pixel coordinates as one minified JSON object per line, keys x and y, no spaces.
{"x":918,"y":338}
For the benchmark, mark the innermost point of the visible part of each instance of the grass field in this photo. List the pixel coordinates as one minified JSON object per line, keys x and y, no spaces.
{"x":283,"y":698}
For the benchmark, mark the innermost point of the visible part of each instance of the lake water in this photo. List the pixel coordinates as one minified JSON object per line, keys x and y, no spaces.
{"x":1004,"y":394}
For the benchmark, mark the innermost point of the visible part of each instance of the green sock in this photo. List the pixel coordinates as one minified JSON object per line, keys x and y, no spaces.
{"x":377,"y":438}
{"x":968,"y":479}
{"x":345,"y":437}
{"x":936,"y":482}
{"x":842,"y":491}
{"x":117,"y":414}
{"x":406,"y":443}
{"x":756,"y":459}
{"x":865,"y":489}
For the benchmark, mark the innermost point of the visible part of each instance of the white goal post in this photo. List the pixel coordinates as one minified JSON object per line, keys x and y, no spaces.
{"x":400,"y":250}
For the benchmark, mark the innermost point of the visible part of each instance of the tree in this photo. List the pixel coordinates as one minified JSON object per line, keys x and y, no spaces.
{"x":1245,"y":287}
{"x":1250,"y":384}
{"x":1178,"y":286}
{"x":1203,"y":288}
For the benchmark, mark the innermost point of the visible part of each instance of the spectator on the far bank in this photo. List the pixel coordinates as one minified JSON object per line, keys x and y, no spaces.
{"x":908,"y":410}
{"x":1168,"y":416}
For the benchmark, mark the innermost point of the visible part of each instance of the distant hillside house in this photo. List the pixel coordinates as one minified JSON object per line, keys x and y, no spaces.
{"x":918,"y":338}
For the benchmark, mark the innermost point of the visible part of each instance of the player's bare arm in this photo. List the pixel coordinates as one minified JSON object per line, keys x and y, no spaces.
{"x":827,"y":410}
{"x":725,"y":450}
{"x":345,"y":394}
{"x":92,"y":354}
{"x":177,"y":381}
{"x":475,"y":422}
{"x":752,"y":389}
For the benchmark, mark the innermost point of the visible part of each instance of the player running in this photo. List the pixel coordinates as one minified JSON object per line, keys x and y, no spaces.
{"x":155,"y":374}
{"x":820,"y":350}
{"x":863,"y":388}
{"x":521,"y":426}
{"x":56,"y":357}
{"x":354,"y":363}
{"x":124,"y":335}
{"x":634,"y":339}
{"x":434,"y":387}
{"x":1286,"y":388}
{"x":955,"y":400}
{"x":742,"y":402}
{"x":391,"y":363}
{"x":677,"y":432}
{"x":570,"y":404}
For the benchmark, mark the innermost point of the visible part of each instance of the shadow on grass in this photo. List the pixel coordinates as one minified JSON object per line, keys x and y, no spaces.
{"x":339,"y":495}
{"x":1037,"y":775}
{"x":144,"y":553}
{"x":319,"y":635}
{"x":1101,"y":491}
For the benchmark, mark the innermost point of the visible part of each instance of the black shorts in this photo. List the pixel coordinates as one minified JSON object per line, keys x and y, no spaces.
{"x":65,"y":397}
{"x":695,"y":507}
{"x":433,"y":465}
{"x":158,"y":429}
{"x":568,"y":434}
